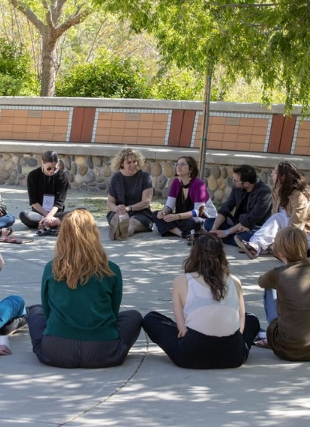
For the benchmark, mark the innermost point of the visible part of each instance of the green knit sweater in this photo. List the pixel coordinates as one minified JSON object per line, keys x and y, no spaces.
{"x":88,"y":313}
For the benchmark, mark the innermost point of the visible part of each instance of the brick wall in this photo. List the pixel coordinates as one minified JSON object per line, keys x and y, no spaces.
{"x":237,"y":127}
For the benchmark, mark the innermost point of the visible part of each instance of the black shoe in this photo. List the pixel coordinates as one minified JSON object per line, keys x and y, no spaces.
{"x":14,"y":324}
{"x":47,"y":231}
{"x":28,"y":309}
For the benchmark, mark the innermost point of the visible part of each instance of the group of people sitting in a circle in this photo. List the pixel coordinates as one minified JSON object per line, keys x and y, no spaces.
{"x":79,"y":322}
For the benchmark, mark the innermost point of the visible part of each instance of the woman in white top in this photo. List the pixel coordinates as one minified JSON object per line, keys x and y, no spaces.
{"x":212,"y":329}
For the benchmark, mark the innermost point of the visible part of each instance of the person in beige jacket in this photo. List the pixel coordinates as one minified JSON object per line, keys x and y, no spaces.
{"x":291,"y":207}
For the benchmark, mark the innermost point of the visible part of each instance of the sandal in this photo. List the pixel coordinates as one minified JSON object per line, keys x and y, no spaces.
{"x":262,"y":343}
{"x":10,"y":240}
{"x":248,"y":249}
{"x":5,"y":232}
{"x":190,"y":238}
{"x":47,"y":231}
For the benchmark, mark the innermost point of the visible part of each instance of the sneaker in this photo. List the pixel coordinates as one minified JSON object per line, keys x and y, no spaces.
{"x":12,"y":326}
{"x":250,"y":249}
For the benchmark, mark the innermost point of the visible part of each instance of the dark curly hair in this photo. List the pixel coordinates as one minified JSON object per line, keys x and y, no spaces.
{"x":208,"y":259}
{"x":289,"y":179}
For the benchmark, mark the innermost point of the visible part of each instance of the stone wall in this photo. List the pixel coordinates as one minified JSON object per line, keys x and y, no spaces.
{"x":94,"y":173}
{"x":88,"y":169}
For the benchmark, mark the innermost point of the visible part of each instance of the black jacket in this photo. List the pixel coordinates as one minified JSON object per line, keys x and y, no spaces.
{"x":255,"y":211}
{"x":39,"y":184}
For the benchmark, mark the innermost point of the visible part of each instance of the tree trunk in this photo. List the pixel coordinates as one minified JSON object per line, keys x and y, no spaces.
{"x":49,"y":66}
{"x":205,"y":125}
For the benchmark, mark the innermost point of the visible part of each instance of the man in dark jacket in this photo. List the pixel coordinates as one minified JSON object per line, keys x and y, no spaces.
{"x":246,"y":209}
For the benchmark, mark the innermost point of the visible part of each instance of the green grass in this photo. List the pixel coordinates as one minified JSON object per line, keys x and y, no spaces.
{"x":98,"y":205}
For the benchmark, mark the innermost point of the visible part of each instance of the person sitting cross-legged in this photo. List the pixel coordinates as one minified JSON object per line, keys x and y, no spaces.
{"x":287,"y":297}
{"x":212,"y":330}
{"x":188,"y":203}
{"x":79,"y":324}
{"x":13,"y":315}
{"x":247,"y":208}
{"x":291,"y":207}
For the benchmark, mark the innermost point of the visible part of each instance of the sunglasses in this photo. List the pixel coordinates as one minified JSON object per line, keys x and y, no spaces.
{"x":52,"y":168}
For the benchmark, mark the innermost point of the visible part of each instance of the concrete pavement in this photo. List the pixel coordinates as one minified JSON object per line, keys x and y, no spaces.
{"x":147,"y":390}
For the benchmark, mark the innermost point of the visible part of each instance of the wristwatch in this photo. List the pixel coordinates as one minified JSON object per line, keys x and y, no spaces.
{"x":227,"y":232}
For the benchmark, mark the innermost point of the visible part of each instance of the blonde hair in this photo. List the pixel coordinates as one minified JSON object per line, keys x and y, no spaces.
{"x":79,"y":254}
{"x":117,"y":162}
{"x":292,"y":243}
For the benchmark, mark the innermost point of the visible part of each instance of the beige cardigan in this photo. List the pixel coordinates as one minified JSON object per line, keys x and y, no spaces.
{"x":297,"y":209}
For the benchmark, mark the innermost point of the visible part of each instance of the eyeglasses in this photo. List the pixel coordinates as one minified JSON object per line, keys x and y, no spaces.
{"x":180,"y":164}
{"x":52,"y":168}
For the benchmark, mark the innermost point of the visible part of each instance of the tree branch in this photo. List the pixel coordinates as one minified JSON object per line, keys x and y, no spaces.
{"x":19,"y":5}
{"x":71,"y":21}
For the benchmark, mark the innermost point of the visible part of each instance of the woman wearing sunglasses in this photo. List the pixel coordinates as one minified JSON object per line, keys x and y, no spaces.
{"x":47,"y":191}
{"x":212,"y":330}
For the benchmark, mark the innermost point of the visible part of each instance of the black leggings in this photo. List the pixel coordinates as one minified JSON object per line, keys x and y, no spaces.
{"x":32,"y":218}
{"x":199,"y":351}
{"x":186,"y":225}
{"x":70,"y":353}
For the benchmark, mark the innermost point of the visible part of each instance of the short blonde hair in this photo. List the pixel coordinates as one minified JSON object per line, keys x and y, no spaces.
{"x":117,"y":162}
{"x":292,"y":243}
{"x":79,"y":254}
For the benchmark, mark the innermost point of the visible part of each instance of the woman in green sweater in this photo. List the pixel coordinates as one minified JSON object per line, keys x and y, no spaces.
{"x":79,"y":324}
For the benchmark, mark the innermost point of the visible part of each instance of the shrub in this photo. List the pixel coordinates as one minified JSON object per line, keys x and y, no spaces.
{"x":114,"y":78}
{"x":16,"y":77}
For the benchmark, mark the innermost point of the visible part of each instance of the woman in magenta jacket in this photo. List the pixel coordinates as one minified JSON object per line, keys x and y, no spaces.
{"x":188,"y":203}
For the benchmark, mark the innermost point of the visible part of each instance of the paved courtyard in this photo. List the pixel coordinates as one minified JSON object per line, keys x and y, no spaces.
{"x":147,"y":390}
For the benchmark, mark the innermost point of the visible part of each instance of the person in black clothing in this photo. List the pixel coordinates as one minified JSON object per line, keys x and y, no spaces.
{"x":246,"y":209}
{"x":47,"y":190}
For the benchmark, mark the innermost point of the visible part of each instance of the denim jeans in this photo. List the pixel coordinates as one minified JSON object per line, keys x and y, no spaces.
{"x":6,"y":220}
{"x":270,"y":304}
{"x":11,"y":307}
{"x":229,"y":240}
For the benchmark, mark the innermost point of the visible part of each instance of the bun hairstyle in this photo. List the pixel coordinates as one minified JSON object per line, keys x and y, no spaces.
{"x":50,"y":157}
{"x":208,"y":259}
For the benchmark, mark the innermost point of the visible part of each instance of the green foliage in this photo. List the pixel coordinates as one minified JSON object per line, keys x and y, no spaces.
{"x":260,"y":41}
{"x":109,"y":78}
{"x":15,"y":75}
{"x":177,"y":84}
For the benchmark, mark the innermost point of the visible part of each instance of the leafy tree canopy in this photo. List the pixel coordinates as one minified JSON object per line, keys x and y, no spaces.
{"x":254,"y":39}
